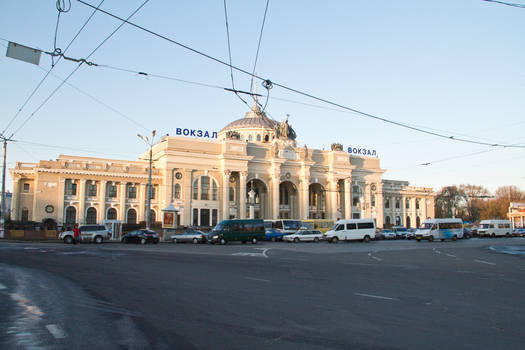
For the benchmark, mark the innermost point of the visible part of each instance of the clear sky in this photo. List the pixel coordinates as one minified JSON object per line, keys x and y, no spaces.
{"x":457,"y":66}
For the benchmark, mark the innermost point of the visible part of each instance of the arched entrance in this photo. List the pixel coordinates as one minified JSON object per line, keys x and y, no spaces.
{"x":316,"y":201}
{"x":256,"y":201}
{"x":112,"y":214}
{"x":131,"y":217}
{"x":71,"y":216}
{"x":91,"y":216}
{"x":288,"y":202}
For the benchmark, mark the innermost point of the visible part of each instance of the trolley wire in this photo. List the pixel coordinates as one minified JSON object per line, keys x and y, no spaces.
{"x":506,"y":3}
{"x":324,"y":100}
{"x":52,"y":66}
{"x":258,"y":48}
{"x":78,"y":66}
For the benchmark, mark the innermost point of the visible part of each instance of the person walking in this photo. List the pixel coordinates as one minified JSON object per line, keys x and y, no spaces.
{"x":77,"y":234}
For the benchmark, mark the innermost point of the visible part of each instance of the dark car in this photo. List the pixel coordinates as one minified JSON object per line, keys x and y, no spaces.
{"x":467,"y":233}
{"x":141,"y":236}
{"x":273,"y":234}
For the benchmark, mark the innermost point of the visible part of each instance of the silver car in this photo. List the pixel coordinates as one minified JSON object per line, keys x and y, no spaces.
{"x":190,"y":235}
{"x":88,"y":233}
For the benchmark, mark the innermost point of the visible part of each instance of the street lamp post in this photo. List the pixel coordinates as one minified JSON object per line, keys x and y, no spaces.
{"x":148,"y":205}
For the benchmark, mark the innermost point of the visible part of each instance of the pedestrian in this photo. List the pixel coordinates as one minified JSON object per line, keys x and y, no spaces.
{"x":77,"y":234}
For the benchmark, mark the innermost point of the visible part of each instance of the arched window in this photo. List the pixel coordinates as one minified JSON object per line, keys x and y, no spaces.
{"x":398,"y":221}
{"x":25,"y":214}
{"x":408,"y":222}
{"x":387,"y":220}
{"x":205,"y":188}
{"x":417,"y":206}
{"x":258,"y":137}
{"x":91,"y":216}
{"x":418,"y":221}
{"x":408,"y":203}
{"x":177,"y":191}
{"x":196,"y":189}
{"x":152,"y":216}
{"x":266,"y":138}
{"x":250,"y":138}
{"x":232,"y":194}
{"x":112,"y":214}
{"x":213,"y":191}
{"x":71,"y":215}
{"x":132,"y":217}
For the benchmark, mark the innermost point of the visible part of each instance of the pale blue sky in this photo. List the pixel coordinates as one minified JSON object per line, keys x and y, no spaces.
{"x":451,"y":65}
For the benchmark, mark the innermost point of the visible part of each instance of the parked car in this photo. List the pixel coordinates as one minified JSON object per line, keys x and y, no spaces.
{"x":388,"y":234}
{"x":141,"y":236}
{"x":518,"y":232}
{"x":378,"y":235}
{"x":467,"y":233}
{"x":304,"y":236}
{"x":89,"y":233}
{"x":400,"y":231}
{"x":411,"y":233}
{"x":273,"y":234}
{"x":189,"y":235}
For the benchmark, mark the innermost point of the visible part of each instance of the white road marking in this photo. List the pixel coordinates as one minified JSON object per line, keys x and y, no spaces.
{"x":257,"y":279}
{"x":374,"y":257}
{"x":374,"y":296}
{"x":437,"y":251}
{"x":56,"y":331}
{"x":485,"y":262}
{"x":2,"y":286}
{"x":248,"y":254}
{"x":359,"y":264}
{"x":264,"y":251}
{"x":452,"y":256}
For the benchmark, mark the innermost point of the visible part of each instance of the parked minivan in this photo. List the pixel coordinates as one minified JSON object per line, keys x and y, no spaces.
{"x":249,"y":230}
{"x":494,"y":228}
{"x":352,"y":229}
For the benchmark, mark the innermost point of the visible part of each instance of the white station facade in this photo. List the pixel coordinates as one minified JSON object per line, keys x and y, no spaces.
{"x":254,"y":168}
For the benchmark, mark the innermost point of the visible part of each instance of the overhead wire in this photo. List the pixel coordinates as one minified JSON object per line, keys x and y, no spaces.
{"x":258,"y":48}
{"x":78,"y":66}
{"x":506,"y":3}
{"x":52,"y":66}
{"x":324,"y":100}
{"x":230,"y":54}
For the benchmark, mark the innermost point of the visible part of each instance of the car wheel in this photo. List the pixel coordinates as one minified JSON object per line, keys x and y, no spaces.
{"x":254,"y":240}
{"x":454,"y":238}
{"x":222,"y":241}
{"x":430,"y":238}
{"x":274,"y":239}
{"x":316,"y":240}
{"x":68,"y":239}
{"x":493,"y":235}
{"x":442,"y":240}
{"x":334,"y":239}
{"x":296,"y":240}
{"x":418,"y":240}
{"x":98,"y":239}
{"x":174,"y":240}
{"x":143,"y":241}
{"x":507,"y":235}
{"x":366,"y":239}
{"x":195,"y":241}
{"x":125,"y":240}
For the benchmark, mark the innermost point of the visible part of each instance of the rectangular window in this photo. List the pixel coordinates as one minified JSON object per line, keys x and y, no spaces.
{"x":152,"y":196}
{"x":112,"y":190}
{"x":350,"y":226}
{"x":132,"y":192}
{"x":26,"y":187}
{"x":214,"y":216}
{"x":397,"y":203}
{"x":373,"y":200}
{"x":362,"y":225}
{"x":232,"y":194}
{"x":71,"y":189}
{"x":417,"y":203}
{"x":196,"y":189}
{"x":205,"y":188}
{"x":214,"y":191}
{"x":387,"y":203}
{"x":195,"y":217}
{"x":92,"y":190}
{"x":355,"y":201}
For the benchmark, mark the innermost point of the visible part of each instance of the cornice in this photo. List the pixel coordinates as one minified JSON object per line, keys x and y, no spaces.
{"x":84,"y":172}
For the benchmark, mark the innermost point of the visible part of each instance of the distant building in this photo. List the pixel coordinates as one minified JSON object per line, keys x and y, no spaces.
{"x":517,"y":214}
{"x":254,"y":169}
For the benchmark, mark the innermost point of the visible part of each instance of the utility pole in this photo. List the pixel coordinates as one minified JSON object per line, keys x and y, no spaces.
{"x":148,"y":205}
{"x":3,"y":208}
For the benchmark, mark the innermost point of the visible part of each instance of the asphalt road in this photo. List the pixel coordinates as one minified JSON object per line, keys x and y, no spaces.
{"x":381,"y":295}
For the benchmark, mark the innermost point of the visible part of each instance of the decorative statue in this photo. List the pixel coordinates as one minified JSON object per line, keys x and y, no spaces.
{"x":305,"y":152}
{"x":336,"y":147}
{"x":234,"y":135}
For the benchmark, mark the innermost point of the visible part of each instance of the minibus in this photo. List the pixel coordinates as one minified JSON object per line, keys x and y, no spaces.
{"x":352,"y":229}
{"x":237,"y":230}
{"x":442,"y":229}
{"x":493,"y":228}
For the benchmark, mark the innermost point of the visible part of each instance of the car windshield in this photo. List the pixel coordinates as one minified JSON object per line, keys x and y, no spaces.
{"x":401,"y":229}
{"x":219,"y":227}
{"x":485,"y":225}
{"x":308,"y":225}
{"x":386,"y":231}
{"x":426,"y":226}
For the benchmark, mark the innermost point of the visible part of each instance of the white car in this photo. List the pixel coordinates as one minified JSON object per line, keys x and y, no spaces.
{"x":88,"y":233}
{"x":304,"y":236}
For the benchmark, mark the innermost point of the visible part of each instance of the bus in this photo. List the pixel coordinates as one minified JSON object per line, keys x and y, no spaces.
{"x":493,"y":228}
{"x":285,"y":225}
{"x":322,"y":225}
{"x":442,"y":229}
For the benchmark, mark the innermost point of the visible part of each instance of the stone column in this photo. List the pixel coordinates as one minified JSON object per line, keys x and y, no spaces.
{"x":332,"y":198}
{"x":368,"y":200}
{"x":414,"y":212}
{"x":403,"y":211}
{"x":348,"y":201}
{"x":60,"y":200}
{"x":142,"y":197}
{"x":14,"y":200}
{"x":81,"y":201}
{"x":102,"y":200}
{"x":275,"y":196}
{"x":424,"y":210}
{"x":242,"y":195}
{"x":122,"y":201}
{"x":379,"y":205}
{"x":304,"y":205}
{"x":225,"y":212}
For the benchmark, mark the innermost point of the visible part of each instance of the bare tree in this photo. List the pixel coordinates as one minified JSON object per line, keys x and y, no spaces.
{"x":473,"y":199}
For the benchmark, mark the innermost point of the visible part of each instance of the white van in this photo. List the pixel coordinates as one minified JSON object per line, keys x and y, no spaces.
{"x":352,"y":229}
{"x":442,"y":229}
{"x":493,"y":228}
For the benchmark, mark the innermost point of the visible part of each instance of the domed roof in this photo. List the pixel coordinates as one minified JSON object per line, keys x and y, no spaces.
{"x":255,"y":118}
